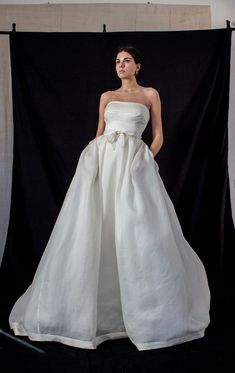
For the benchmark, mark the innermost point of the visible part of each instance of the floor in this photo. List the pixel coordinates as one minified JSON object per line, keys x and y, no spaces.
{"x":119,"y":356}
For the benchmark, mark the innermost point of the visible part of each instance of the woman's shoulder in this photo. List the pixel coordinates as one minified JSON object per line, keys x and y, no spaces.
{"x":153,"y":96}
{"x":106,"y":96}
{"x":150,"y":91}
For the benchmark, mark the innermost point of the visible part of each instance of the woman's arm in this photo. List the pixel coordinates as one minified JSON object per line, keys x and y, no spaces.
{"x":156,"y":120}
{"x":101,"y":122}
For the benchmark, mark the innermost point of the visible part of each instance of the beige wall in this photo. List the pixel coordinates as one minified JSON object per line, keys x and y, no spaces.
{"x":6,"y":139}
{"x":91,"y":17}
{"x":220,"y":9}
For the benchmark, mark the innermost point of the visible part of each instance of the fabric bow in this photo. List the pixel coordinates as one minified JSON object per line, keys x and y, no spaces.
{"x":113,"y":137}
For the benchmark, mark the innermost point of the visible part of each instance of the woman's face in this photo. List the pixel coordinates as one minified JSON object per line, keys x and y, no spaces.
{"x":125,"y":65}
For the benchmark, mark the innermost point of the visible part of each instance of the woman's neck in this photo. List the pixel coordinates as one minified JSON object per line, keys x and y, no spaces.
{"x":129,"y":86}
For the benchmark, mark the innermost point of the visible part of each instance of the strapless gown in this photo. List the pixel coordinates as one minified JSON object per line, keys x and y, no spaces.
{"x":116,"y":264}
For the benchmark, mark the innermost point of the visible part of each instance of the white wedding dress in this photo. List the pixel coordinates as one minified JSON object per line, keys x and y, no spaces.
{"x":117,"y":264}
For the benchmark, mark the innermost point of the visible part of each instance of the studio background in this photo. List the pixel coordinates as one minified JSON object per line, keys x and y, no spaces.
{"x":57,"y":81}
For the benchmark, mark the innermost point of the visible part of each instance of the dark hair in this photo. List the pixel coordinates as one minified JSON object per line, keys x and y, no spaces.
{"x":135,"y":54}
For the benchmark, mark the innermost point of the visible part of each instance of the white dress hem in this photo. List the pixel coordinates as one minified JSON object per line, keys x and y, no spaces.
{"x":20,"y":331}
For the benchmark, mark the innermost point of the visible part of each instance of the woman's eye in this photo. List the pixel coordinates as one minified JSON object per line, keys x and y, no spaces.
{"x":125,"y":60}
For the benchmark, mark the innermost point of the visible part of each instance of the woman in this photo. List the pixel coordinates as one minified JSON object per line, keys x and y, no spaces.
{"x":127,"y":68}
{"x":117,"y":264}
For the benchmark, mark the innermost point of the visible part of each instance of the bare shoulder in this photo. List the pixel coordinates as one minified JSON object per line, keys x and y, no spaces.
{"x":153,"y":97}
{"x":151,"y":93}
{"x":105,"y":97}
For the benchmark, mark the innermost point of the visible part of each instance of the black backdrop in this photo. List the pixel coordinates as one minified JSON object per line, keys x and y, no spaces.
{"x":57,"y":82}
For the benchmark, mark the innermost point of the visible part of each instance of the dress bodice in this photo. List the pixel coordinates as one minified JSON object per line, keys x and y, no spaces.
{"x":130,"y":117}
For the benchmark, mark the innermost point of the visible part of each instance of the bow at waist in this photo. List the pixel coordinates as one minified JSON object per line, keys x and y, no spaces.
{"x":113,"y":135}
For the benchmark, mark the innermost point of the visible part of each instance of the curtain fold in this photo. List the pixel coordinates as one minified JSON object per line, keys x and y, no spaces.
{"x":231,"y":131}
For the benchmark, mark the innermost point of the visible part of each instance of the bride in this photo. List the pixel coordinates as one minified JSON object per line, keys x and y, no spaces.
{"x":117,"y":264}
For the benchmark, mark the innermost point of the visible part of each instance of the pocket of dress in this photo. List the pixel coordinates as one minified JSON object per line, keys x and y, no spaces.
{"x":151,"y":153}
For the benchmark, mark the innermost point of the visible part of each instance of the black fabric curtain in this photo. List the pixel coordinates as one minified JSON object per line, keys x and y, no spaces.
{"x":57,"y":81}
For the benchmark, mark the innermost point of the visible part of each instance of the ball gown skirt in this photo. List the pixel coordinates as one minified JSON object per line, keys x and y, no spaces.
{"x":116,"y":264}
